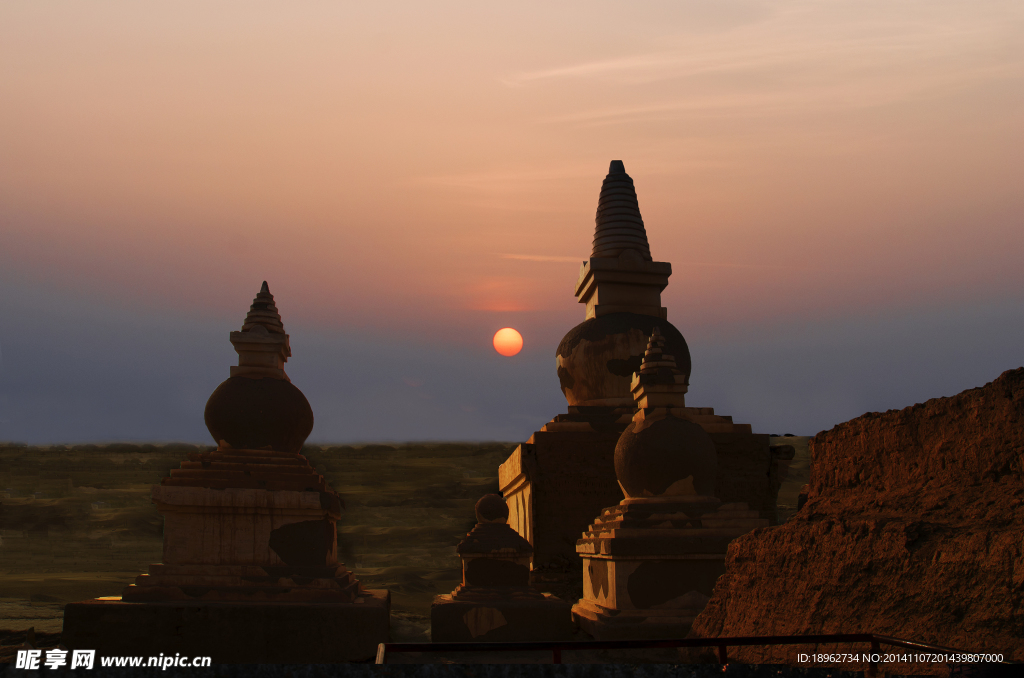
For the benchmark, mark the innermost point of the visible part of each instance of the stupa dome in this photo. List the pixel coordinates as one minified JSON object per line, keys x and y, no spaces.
{"x":661,"y":454}
{"x":258,"y":408}
{"x":491,"y":508}
{"x":597,"y":358}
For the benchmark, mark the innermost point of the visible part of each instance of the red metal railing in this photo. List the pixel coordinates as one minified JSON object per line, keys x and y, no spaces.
{"x":557,"y":647}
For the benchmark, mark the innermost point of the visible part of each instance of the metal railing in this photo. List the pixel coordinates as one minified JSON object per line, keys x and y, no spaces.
{"x":556,"y":647}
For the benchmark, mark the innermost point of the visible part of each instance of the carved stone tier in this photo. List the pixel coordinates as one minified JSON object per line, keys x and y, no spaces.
{"x":651,"y":564}
{"x":256,"y":469}
{"x":626,"y":284}
{"x":239,"y":543}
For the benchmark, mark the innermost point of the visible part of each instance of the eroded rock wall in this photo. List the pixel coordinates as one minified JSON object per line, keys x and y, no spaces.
{"x":913,"y":528}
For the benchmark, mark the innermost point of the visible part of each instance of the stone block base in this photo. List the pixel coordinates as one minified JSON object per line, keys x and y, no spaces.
{"x":454,"y":621}
{"x":232,"y":632}
{"x":605,"y":624}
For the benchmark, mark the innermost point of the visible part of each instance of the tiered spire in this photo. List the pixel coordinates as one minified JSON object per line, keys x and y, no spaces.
{"x":621,"y":276}
{"x":263,"y":312}
{"x":660,"y":382}
{"x":262,"y":344}
{"x":619,"y":224}
{"x":658,"y":367}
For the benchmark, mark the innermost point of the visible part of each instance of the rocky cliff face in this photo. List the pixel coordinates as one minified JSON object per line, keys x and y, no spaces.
{"x":913,"y":528}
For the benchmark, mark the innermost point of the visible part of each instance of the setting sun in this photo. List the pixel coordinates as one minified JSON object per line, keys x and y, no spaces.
{"x":507,"y":341}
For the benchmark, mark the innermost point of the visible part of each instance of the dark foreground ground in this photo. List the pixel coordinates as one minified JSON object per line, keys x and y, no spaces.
{"x":77,"y":523}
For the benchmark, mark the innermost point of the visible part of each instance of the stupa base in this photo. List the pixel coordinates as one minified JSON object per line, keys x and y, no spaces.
{"x":607,"y":624}
{"x":556,"y":483}
{"x":456,"y":621}
{"x":232,"y":632}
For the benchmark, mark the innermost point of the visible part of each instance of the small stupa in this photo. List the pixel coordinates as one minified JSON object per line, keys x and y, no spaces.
{"x":250,"y":571}
{"x":495,"y":601}
{"x":650,"y":563}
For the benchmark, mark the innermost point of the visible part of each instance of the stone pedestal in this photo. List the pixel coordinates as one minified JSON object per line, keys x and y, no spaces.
{"x":541,"y":617}
{"x":246,"y":544}
{"x":232,"y":633}
{"x":495,"y":601}
{"x":650,"y":565}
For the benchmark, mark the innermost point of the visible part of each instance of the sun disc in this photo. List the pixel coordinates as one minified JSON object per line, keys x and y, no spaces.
{"x":507,"y":341}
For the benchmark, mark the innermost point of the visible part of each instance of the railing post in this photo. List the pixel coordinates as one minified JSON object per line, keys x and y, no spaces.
{"x":381,"y":654}
{"x":556,"y":655}
{"x":723,"y":657}
{"x":873,"y":665}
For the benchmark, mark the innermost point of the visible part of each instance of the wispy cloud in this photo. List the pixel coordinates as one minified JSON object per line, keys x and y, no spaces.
{"x":810,"y":34}
{"x":813,"y":56}
{"x":677,"y":265}
{"x":509,"y":180}
{"x":540,"y":257}
{"x":721,"y":264}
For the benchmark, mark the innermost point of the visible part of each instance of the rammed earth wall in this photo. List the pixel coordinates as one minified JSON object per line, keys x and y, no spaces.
{"x":914,"y":528}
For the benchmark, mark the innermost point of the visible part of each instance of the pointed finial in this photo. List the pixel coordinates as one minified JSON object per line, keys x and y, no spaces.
{"x":616,"y":167}
{"x":263,"y":312}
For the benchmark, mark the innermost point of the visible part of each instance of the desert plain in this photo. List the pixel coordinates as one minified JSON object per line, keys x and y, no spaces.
{"x":77,"y":522}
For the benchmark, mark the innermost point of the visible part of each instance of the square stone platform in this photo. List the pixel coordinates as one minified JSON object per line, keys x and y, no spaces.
{"x":564,"y":475}
{"x":492,"y":621}
{"x":233,"y":632}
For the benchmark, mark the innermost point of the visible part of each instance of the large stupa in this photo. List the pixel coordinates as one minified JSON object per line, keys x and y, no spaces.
{"x":564,"y":475}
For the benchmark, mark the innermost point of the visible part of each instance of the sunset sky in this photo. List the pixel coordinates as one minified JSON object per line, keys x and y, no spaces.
{"x":838,"y":186}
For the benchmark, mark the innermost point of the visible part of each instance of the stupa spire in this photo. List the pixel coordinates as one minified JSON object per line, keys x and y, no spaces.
{"x":659,"y":383}
{"x":262,"y":344}
{"x":621,"y":276}
{"x":263,"y":312}
{"x":619,"y":224}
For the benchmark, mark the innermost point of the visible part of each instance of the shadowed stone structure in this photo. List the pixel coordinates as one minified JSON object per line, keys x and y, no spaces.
{"x":651,"y":562}
{"x":495,"y":601}
{"x":250,"y":572}
{"x":558,"y":480}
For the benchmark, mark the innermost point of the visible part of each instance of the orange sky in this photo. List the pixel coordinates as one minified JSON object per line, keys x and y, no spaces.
{"x":430,"y":171}
{"x":388,"y":165}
